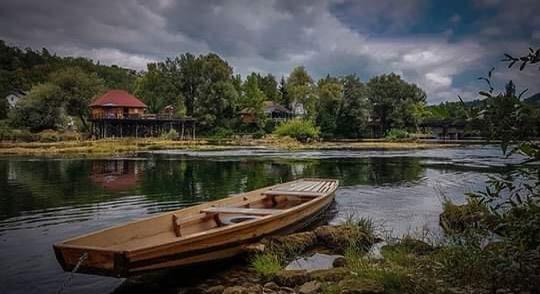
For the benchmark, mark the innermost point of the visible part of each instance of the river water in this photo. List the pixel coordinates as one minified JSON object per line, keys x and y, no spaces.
{"x":43,"y":201}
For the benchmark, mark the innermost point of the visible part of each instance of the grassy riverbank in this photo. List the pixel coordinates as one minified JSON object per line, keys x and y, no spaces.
{"x":410,"y":264}
{"x":107,"y":147}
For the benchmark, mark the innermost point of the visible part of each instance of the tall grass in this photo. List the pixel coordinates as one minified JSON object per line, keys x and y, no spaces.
{"x":266,"y":264}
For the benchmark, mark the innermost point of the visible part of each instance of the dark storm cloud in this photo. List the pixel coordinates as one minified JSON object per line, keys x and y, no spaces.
{"x":335,"y":36}
{"x":235,"y":28}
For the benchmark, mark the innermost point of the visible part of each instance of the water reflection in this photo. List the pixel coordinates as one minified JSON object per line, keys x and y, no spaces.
{"x":33,"y":186}
{"x":115,"y":175}
{"x":44,"y":201}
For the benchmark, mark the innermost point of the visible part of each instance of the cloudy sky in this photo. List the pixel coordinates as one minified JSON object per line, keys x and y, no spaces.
{"x":440,"y":45}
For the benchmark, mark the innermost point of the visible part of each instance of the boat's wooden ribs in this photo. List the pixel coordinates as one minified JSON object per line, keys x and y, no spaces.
{"x":292,"y":193}
{"x":306,"y":187}
{"x":238,"y":210}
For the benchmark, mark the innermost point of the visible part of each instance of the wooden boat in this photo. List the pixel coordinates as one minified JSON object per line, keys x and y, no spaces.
{"x":201,"y":233}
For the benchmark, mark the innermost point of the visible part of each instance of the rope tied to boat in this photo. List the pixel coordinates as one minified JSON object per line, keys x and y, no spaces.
{"x":66,"y":282}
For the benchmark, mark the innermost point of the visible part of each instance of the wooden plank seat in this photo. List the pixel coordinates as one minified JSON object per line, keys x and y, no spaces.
{"x":179,"y":222}
{"x":292,"y":193}
{"x":240,"y":210}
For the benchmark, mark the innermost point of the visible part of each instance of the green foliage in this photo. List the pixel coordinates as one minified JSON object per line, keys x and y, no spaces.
{"x":467,"y":218}
{"x":395,"y":102}
{"x":22,"y":69}
{"x":16,"y":135}
{"x":283,"y":96}
{"x":508,"y":208}
{"x":300,"y":89}
{"x":172,"y":134}
{"x":157,"y":88}
{"x":353,"y":116}
{"x":361,"y":233}
{"x":252,"y":99}
{"x":4,"y":107}
{"x":40,"y":109}
{"x":396,"y":134}
{"x":394,"y":278}
{"x":217,"y":97}
{"x":200,"y":86}
{"x":452,"y":111}
{"x":68,"y":92}
{"x":266,"y":264}
{"x":301,"y":130}
{"x":329,"y":91}
{"x":221,"y":133}
{"x":505,"y":118}
{"x":206,"y":88}
{"x":268,"y":85}
{"x":77,"y":89}
{"x":259,"y":134}
{"x":5,"y":131}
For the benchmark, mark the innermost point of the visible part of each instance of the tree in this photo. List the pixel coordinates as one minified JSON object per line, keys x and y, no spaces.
{"x":186,"y":70}
{"x":396,"y":104}
{"x":157,"y":90}
{"x":41,"y":109}
{"x":268,"y":86}
{"x":355,"y":108}
{"x":510,"y":89}
{"x":330,"y":93}
{"x":216,"y":96}
{"x":237,"y":83}
{"x":77,"y":89}
{"x":284,"y":98}
{"x":301,"y":90}
{"x":451,"y":111}
{"x":505,"y":118}
{"x":3,"y":107}
{"x":253,"y":98}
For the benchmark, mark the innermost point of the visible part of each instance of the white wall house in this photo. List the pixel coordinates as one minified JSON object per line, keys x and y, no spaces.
{"x":298,"y":109}
{"x":14,"y":97}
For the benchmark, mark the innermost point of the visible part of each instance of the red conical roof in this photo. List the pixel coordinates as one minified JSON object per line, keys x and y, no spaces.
{"x":119,"y":98}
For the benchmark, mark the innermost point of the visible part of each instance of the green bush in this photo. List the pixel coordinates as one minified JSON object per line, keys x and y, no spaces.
{"x":258,"y":134}
{"x":22,"y":135}
{"x":5,"y":131}
{"x":301,"y":130}
{"x":221,"y":133}
{"x":396,"y":134}
{"x":48,"y":136}
{"x":267,"y":264}
{"x":170,"y":135}
{"x":473,"y":216}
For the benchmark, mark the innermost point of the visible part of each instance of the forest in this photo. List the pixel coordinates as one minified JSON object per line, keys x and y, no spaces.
{"x":205,"y":87}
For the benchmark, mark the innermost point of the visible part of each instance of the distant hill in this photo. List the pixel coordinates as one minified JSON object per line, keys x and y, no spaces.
{"x":475,"y":103}
{"x":534,"y":99}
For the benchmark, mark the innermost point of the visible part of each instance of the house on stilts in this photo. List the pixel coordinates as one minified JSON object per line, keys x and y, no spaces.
{"x":120,"y":114}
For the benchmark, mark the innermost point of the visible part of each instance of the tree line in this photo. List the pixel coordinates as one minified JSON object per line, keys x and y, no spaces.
{"x":206,"y":88}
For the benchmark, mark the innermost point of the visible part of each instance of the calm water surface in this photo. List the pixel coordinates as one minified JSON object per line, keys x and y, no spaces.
{"x":43,"y":201}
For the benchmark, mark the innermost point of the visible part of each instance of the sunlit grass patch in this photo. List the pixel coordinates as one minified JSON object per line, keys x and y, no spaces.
{"x":266,"y":264}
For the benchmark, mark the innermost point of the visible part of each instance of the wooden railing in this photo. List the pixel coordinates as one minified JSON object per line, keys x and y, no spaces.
{"x":137,"y":116}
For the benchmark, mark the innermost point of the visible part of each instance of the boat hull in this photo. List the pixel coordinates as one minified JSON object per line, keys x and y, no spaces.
{"x":216,"y":246}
